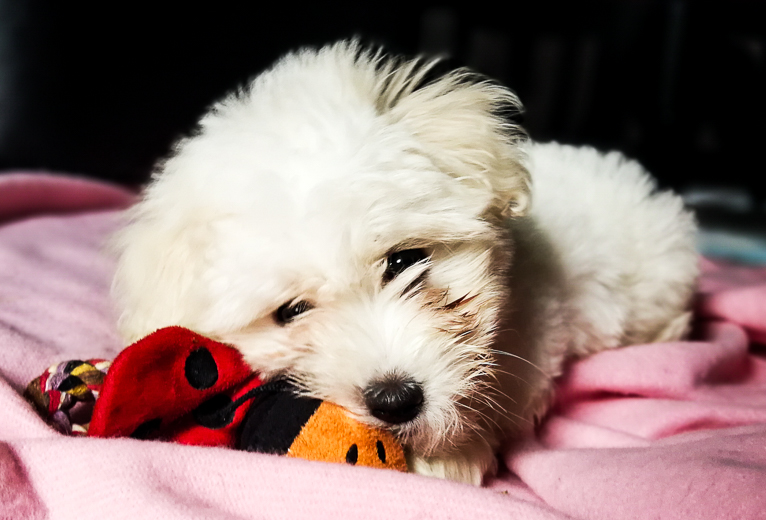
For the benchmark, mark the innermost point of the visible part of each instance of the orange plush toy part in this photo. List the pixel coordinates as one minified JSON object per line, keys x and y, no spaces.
{"x":286,"y":423}
{"x":331,"y":435}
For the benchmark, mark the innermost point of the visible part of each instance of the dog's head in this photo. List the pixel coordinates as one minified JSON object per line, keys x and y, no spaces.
{"x":340,"y":221}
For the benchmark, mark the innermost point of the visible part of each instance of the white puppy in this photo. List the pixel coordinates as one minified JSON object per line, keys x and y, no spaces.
{"x":393,"y":245}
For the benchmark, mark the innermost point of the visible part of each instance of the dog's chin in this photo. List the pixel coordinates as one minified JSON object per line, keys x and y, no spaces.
{"x":440,"y":435}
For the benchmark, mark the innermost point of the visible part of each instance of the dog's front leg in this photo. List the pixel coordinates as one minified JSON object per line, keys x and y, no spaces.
{"x":468,"y":465}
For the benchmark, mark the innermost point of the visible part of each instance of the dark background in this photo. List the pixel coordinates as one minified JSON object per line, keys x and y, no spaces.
{"x":103,"y":89}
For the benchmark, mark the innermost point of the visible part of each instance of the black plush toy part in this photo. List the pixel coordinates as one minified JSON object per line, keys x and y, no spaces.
{"x":281,"y":421}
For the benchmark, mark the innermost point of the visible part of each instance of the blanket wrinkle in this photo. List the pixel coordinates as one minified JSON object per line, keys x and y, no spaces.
{"x":17,"y":496}
{"x":25,"y":194}
{"x":670,"y":431}
{"x":17,"y":419}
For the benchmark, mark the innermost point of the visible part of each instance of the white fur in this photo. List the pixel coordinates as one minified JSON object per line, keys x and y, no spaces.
{"x":300,"y":185}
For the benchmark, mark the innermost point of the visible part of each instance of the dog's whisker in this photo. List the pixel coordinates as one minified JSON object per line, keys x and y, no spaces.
{"x":496,"y":407}
{"x":503,"y":413}
{"x":496,"y":371}
{"x":459,"y":302}
{"x":474,"y":410}
{"x":506,"y":414}
{"x":470,"y":425}
{"x":515,"y":356}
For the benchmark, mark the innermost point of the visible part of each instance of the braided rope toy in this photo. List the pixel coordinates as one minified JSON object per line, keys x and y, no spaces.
{"x":65,"y":393}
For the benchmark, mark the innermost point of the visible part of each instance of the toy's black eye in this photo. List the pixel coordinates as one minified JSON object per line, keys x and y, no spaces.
{"x":287,"y":312}
{"x":399,"y":261}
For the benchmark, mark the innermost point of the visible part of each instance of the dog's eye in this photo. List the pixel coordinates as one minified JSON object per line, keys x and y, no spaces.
{"x":399,"y":261}
{"x":287,"y":312}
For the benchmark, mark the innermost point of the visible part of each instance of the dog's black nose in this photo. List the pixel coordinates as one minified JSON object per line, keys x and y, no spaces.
{"x":394,"y":400}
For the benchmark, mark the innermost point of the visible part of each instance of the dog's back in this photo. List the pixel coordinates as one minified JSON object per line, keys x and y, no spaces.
{"x":603,"y":259}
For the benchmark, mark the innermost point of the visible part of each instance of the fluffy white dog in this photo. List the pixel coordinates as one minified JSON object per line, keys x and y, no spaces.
{"x":394,"y":245}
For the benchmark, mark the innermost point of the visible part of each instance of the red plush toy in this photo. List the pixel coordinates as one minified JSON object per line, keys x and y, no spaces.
{"x":178,"y":386}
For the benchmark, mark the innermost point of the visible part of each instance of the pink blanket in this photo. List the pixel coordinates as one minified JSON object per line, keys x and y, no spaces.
{"x":675,"y":430}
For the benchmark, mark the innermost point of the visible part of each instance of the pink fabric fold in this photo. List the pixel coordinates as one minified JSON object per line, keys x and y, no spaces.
{"x":23,"y":194}
{"x":673,"y":430}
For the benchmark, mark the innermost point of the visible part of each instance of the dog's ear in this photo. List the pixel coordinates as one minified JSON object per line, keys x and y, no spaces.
{"x":157,"y":265}
{"x":466,"y":123}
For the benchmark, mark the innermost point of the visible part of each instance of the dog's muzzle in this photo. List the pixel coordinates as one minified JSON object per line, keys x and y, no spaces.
{"x":394,"y":400}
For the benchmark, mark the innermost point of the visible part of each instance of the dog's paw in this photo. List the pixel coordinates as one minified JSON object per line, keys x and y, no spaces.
{"x":468,"y":465}
{"x":676,"y":329}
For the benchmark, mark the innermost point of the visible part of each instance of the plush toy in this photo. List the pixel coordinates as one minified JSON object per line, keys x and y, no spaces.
{"x":178,"y":386}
